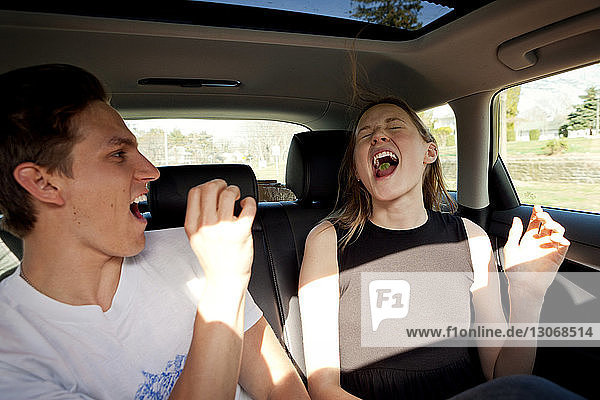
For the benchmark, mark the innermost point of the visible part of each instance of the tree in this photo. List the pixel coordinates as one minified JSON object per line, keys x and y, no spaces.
{"x":441,"y":135}
{"x":512,"y":105}
{"x":176,"y":138}
{"x":201,"y":146}
{"x":397,"y":13}
{"x":534,"y":134}
{"x":563,"y":131}
{"x":586,"y":114}
{"x":427,"y":118}
{"x":151,"y":144}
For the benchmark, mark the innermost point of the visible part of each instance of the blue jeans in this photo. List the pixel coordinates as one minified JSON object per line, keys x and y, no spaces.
{"x":518,"y":387}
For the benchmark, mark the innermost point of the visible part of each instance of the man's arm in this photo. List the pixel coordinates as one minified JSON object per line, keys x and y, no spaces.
{"x":223,"y":245}
{"x":267,"y":372}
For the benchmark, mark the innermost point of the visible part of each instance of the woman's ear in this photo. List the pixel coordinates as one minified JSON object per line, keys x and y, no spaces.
{"x":39,"y":183}
{"x":432,"y":153}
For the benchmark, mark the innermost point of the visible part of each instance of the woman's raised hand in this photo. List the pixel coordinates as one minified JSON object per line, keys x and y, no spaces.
{"x":531,"y":261}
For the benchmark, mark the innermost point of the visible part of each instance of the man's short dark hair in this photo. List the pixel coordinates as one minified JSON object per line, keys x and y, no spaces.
{"x":37,"y":105}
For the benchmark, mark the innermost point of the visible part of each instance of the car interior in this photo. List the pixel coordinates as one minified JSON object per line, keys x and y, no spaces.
{"x":223,"y":61}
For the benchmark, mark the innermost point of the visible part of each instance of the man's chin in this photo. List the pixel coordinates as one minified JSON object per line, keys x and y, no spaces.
{"x":135,"y":247}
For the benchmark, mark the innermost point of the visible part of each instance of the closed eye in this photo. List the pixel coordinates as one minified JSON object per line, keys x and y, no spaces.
{"x":365,"y":136}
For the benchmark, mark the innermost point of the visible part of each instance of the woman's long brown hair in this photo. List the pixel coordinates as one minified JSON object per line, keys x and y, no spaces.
{"x":354,"y":204}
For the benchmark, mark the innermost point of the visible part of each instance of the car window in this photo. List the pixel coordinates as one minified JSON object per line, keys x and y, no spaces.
{"x":261,"y":144}
{"x":549,"y":139}
{"x":442,"y":124}
{"x":8,"y":260}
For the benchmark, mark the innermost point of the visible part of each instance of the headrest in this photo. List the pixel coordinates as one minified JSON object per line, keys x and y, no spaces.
{"x":167,"y":196}
{"x":313,"y":164}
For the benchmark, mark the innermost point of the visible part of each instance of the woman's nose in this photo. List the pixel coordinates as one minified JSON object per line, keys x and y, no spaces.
{"x":379,"y":136}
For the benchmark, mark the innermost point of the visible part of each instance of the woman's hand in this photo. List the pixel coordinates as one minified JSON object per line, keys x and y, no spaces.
{"x":531,"y":261}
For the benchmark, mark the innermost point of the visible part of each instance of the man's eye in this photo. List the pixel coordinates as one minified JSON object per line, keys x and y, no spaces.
{"x":118,"y":154}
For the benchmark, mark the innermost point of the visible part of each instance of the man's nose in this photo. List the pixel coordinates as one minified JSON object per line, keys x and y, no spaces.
{"x":147,"y":171}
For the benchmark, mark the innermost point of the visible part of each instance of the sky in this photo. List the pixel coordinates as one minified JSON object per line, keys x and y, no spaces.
{"x":557,"y":94}
{"x":332,"y":8}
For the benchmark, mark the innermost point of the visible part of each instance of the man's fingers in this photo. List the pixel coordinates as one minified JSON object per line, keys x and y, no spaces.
{"x":202,"y":204}
{"x":248,"y":209}
{"x":192,"y":213}
{"x":227,"y":199}
{"x":515,"y":232}
{"x":209,"y":198}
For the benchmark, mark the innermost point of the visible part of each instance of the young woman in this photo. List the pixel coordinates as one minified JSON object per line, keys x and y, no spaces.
{"x":390,"y":222}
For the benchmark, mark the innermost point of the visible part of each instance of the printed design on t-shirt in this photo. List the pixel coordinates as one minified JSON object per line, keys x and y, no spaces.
{"x":159,"y":386}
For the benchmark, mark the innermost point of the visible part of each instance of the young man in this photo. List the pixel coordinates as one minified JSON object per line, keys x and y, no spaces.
{"x":98,"y":308}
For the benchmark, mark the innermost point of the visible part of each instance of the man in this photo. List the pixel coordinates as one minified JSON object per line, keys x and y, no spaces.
{"x":98,"y":308}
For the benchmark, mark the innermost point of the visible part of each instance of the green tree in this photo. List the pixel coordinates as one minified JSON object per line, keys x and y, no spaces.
{"x":441,"y":135}
{"x":534,"y":134}
{"x":512,"y":104}
{"x":397,"y":13}
{"x":176,"y":138}
{"x":585,"y":114}
{"x":563,"y":131}
{"x":427,"y":118}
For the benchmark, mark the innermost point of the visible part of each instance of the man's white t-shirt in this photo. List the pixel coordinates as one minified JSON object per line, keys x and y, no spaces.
{"x":134,"y":350}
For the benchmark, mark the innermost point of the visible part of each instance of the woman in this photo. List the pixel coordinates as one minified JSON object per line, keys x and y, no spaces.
{"x":390,"y":222}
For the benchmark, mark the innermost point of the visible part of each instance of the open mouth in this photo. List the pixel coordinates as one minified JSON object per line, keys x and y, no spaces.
{"x":133,"y":207}
{"x":384,"y":163}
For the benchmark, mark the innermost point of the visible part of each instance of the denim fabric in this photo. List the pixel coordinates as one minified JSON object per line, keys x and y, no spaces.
{"x":518,"y":387}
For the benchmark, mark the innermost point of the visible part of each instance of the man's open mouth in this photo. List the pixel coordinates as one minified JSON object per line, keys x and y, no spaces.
{"x":133,"y":207}
{"x":384,"y":163}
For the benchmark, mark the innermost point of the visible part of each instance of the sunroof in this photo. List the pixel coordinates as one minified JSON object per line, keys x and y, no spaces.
{"x":405,"y":14}
{"x":390,"y":20}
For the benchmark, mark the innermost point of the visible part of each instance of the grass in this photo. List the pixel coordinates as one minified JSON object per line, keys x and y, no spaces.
{"x":580,"y":145}
{"x":559,"y":193}
{"x":568,"y":195}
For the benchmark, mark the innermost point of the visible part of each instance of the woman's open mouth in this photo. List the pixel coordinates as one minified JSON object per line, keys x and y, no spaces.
{"x":384,"y":163}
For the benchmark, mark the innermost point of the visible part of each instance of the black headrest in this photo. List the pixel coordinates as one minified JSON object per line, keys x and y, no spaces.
{"x":167,"y":197}
{"x":313,"y":165}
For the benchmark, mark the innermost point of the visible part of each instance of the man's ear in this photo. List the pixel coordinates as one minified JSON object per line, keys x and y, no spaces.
{"x":432,"y":153}
{"x":39,"y":183}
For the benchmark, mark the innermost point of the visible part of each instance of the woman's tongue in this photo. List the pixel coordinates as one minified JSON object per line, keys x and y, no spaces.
{"x":384,"y":169}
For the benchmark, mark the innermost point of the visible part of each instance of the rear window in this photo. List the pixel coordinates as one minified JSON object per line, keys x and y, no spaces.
{"x":261,"y":144}
{"x":441,"y":122}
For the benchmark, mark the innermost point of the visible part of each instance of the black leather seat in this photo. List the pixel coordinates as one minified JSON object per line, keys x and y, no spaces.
{"x":312,"y":171}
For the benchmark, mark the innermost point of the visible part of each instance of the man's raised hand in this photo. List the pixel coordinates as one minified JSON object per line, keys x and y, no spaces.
{"x":221,"y":241}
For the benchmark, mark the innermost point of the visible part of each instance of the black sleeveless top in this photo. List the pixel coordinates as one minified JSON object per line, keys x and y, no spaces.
{"x":390,"y":369}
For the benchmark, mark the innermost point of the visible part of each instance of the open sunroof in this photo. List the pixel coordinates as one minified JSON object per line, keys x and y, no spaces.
{"x":392,"y":20}
{"x":405,"y":14}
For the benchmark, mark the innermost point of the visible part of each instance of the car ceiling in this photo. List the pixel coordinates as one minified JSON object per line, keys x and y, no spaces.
{"x":301,"y":77}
